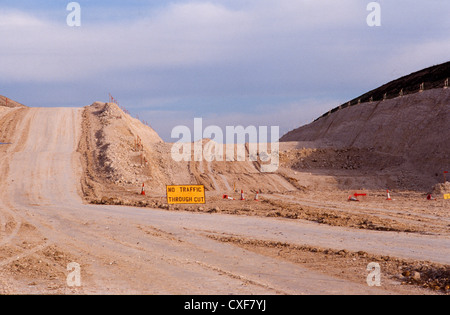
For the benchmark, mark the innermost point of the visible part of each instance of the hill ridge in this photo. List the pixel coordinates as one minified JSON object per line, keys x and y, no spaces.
{"x":426,"y":79}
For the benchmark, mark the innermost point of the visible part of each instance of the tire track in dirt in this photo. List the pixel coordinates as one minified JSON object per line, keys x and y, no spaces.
{"x":22,"y":242}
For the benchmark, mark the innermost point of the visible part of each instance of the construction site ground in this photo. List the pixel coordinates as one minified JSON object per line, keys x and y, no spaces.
{"x":70,"y":191}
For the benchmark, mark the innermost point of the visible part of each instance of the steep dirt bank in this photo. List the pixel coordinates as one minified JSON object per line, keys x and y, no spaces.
{"x":120,"y":154}
{"x":406,"y":137}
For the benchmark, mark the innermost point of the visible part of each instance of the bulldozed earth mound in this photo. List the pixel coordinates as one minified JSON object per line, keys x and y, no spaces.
{"x":395,"y":136}
{"x":120,"y":153}
{"x":122,"y":156}
{"x":405,"y":140}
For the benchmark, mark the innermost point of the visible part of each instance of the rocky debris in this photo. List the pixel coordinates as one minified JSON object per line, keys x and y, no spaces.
{"x":428,"y":276}
{"x":108,"y":112}
{"x":116,"y":201}
{"x":442,"y":188}
{"x":214,"y":210}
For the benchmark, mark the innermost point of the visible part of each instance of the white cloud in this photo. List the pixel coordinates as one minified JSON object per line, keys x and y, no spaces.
{"x":13,"y":19}
{"x":280,"y":38}
{"x":178,"y":35}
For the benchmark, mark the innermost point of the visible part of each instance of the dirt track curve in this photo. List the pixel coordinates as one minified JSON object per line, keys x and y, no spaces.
{"x":44,"y":225}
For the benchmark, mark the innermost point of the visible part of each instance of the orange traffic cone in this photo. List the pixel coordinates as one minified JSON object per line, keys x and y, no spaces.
{"x":242,"y":195}
{"x":143,"y":189}
{"x":388,"y":195}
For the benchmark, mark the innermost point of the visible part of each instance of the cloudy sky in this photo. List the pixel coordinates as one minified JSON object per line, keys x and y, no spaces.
{"x":231,"y":62}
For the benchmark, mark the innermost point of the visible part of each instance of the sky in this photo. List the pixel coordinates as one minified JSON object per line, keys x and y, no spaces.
{"x":232,"y":62}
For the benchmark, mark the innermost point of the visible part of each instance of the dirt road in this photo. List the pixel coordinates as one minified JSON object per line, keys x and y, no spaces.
{"x":45,"y":225}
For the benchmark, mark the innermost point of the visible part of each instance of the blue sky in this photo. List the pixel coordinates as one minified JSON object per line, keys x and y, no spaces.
{"x":230,"y":62}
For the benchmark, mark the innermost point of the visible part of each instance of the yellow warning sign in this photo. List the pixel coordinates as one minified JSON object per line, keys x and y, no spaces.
{"x":186,"y":194}
{"x":447,"y":196}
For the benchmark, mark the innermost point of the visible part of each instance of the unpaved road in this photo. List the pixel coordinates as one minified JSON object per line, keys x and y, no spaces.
{"x":124,"y":250}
